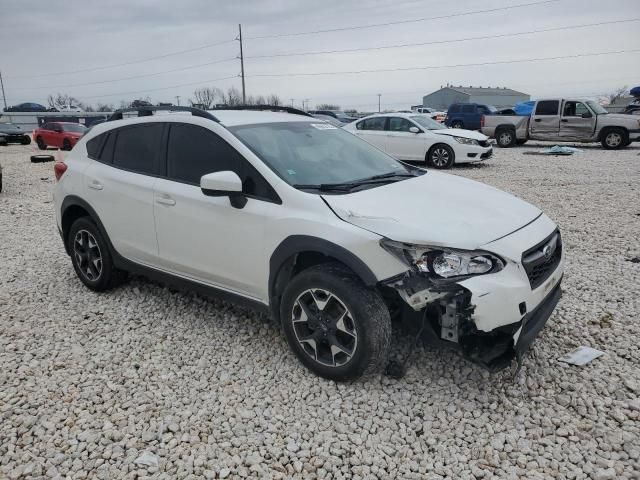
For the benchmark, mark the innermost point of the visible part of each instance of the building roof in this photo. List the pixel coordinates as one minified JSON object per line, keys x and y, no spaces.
{"x":485,"y":90}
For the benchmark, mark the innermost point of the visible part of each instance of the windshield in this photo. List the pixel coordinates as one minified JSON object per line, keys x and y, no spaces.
{"x":596,"y":107}
{"x":77,"y":128}
{"x":306,"y":153}
{"x":427,"y":122}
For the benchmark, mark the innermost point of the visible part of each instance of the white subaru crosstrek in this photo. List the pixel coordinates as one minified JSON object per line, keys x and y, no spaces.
{"x":419,"y":138}
{"x":329,"y":234}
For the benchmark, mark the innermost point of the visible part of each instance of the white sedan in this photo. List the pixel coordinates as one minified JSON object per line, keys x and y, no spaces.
{"x":419,"y":138}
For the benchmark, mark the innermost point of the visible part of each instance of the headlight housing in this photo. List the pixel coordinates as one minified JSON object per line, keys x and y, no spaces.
{"x":466,"y":141}
{"x":442,"y":262}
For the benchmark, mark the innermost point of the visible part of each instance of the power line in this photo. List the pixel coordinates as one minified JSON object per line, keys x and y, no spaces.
{"x":162,"y":88}
{"x":439,"y":42}
{"x":430,"y":67}
{"x":49,"y":87}
{"x":400,"y":22}
{"x":132,"y":62}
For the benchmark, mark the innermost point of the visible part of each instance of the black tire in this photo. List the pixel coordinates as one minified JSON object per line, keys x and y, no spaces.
{"x":440,"y":156}
{"x":457,"y":124}
{"x":66,"y":144}
{"x":614,"y":138}
{"x":0,"y":182}
{"x":42,"y":158}
{"x":361,"y":341}
{"x":26,"y":140}
{"x":521,"y":142}
{"x":506,"y":137}
{"x":86,"y":245}
{"x":41,"y":144}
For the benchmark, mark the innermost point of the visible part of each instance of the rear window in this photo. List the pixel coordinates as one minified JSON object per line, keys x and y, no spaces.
{"x":137,"y":147}
{"x":95,"y":145}
{"x":547,"y":107}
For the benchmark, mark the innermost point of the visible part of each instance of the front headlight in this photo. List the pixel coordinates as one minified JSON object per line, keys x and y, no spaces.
{"x":466,"y":141}
{"x":441,"y":262}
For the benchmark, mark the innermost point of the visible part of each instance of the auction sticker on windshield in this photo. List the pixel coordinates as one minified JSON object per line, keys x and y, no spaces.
{"x":323,"y":126}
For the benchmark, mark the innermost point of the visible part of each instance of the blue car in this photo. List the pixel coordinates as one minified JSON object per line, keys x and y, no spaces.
{"x":467,"y":115}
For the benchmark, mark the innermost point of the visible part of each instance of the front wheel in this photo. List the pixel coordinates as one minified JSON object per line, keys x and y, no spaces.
{"x":25,"y":140}
{"x":440,"y":156}
{"x":338,"y":328}
{"x":457,"y":124}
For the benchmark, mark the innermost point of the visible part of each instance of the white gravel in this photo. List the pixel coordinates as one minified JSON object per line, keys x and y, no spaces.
{"x":149,"y":382}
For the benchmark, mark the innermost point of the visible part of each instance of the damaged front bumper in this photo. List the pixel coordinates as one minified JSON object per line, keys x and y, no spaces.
{"x":490,"y":319}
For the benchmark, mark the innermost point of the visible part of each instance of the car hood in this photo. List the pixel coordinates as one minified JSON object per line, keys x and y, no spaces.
{"x":435,"y":209}
{"x":459,"y":132}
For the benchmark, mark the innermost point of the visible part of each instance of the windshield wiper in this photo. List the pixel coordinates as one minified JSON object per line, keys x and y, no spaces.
{"x":385,"y":175}
{"x":348,"y":186}
{"x":324,"y":187}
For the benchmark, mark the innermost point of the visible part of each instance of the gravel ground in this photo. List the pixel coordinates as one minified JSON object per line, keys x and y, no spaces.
{"x":148,"y":382}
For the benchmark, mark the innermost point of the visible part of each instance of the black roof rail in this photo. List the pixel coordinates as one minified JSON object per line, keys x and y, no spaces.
{"x":270,"y":108}
{"x":147,"y":111}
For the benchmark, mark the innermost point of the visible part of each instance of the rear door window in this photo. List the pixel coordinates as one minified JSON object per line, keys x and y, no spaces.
{"x":468,"y":109}
{"x":137,"y":148}
{"x":194,"y":151}
{"x":547,"y":107}
{"x":376,"y":123}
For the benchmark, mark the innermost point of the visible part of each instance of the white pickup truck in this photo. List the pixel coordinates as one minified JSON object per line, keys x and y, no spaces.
{"x":564,"y":120}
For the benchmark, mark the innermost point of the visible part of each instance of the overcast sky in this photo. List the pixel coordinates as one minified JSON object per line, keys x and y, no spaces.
{"x":40,"y":38}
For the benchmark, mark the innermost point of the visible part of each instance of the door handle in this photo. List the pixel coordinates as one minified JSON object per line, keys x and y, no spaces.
{"x":165,"y":199}
{"x":537,"y":119}
{"x":564,"y":120}
{"x":96,"y":185}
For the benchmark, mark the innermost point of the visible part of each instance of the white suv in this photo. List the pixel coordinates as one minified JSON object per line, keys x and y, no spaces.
{"x":306,"y":221}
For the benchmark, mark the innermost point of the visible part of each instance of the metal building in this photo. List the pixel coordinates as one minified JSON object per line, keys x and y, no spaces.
{"x":500,"y":97}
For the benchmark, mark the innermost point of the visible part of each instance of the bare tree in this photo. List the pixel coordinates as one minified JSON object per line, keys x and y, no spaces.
{"x":206,"y":96}
{"x":61,"y":100}
{"x":618,"y":93}
{"x":274,"y":100}
{"x":327,"y":106}
{"x":232,"y":97}
{"x":104,"y":107}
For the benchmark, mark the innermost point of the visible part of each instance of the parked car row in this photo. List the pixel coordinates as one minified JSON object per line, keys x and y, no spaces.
{"x":14,"y":134}
{"x":330,"y":235}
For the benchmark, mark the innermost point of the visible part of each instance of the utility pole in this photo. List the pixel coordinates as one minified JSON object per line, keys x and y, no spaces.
{"x":292,"y":101}
{"x":178,"y":99}
{"x":244,"y":97}
{"x":4,"y":99}
{"x":379,"y":95}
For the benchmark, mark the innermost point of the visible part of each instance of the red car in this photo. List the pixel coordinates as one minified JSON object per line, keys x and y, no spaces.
{"x":62,"y":135}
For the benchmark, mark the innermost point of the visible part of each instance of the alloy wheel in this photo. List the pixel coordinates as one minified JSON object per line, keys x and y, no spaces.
{"x":440,"y":157}
{"x":87,"y":255}
{"x":324,"y":327}
{"x":613,"y":139}
{"x":505,"y":138}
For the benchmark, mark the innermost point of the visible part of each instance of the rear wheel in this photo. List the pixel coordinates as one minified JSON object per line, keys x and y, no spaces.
{"x":41,"y":144}
{"x":506,"y":137}
{"x":25,"y":140}
{"x":91,"y":257}
{"x":338,"y":328}
{"x":440,"y":156}
{"x":615,"y":138}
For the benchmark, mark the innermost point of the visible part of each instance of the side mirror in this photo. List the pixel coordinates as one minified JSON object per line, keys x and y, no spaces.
{"x":586,"y":115}
{"x":414,"y":129}
{"x":224,"y":184}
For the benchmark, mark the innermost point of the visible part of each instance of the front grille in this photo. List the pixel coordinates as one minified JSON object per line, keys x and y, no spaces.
{"x":541,"y":260}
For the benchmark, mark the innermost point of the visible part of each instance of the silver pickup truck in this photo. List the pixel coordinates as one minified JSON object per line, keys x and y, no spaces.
{"x":564,"y":120}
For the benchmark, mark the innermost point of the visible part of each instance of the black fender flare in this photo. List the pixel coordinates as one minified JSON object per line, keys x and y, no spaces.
{"x":75,"y":201}
{"x":295,"y":244}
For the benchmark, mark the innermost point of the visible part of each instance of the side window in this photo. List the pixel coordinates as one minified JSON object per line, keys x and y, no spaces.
{"x":547,"y":107}
{"x":574,"y":109}
{"x":106,"y":156}
{"x":95,"y":145}
{"x":454,"y":109}
{"x":468,"y":109}
{"x":137,"y":147}
{"x":483,"y":110}
{"x":375,"y":123}
{"x":194,"y":151}
{"x":397,"y":124}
